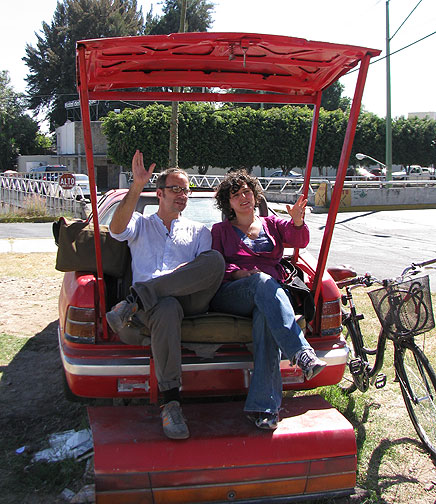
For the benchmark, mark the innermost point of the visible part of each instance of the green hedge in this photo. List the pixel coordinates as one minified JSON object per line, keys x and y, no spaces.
{"x":242,"y":137}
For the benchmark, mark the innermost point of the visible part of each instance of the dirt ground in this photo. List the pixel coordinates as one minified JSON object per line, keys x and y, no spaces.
{"x":32,"y":404}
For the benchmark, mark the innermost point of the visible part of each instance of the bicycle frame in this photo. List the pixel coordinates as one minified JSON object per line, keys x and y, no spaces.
{"x":351,"y":321}
{"x":408,"y":312}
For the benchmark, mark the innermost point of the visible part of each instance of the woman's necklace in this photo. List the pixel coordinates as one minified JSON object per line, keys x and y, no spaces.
{"x":250,"y":233}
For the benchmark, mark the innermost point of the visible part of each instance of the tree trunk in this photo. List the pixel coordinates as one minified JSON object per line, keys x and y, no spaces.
{"x":174,"y":123}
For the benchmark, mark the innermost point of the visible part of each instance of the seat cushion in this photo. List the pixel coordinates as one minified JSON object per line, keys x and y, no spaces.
{"x":214,"y":327}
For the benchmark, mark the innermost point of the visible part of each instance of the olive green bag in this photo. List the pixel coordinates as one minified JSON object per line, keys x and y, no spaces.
{"x":76,"y":248}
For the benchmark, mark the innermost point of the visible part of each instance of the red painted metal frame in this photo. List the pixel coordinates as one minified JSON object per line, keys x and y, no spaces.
{"x":86,"y":121}
{"x":285,"y":69}
{"x":269,"y":63}
{"x":340,"y":177}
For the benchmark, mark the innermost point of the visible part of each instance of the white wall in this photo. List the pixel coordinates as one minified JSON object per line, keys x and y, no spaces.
{"x":65,"y":139}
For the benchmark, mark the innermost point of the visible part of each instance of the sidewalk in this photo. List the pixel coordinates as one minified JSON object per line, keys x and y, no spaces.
{"x":23,"y":237}
{"x":26,"y":245}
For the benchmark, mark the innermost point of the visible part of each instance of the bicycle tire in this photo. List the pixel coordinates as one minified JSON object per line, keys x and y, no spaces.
{"x":355,"y":344}
{"x":418,"y":387}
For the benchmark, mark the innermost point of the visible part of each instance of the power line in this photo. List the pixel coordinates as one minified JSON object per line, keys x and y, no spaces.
{"x":411,"y":12}
{"x":394,"y":52}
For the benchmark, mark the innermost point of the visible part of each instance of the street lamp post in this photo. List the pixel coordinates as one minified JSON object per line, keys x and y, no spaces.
{"x":361,"y":156}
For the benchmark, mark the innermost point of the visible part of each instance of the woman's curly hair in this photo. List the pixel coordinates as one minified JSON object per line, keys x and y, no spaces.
{"x":231,"y":185}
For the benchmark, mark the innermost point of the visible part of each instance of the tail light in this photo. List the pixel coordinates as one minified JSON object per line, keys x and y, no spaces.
{"x":80,"y":325}
{"x":331,"y":318}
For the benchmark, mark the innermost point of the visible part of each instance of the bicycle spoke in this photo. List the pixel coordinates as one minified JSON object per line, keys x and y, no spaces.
{"x":418,"y":386}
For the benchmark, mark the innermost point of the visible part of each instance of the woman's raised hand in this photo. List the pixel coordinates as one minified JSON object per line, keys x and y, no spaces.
{"x":298,"y":210}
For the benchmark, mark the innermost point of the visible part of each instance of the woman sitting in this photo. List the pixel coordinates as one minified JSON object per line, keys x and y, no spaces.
{"x":252,"y":248}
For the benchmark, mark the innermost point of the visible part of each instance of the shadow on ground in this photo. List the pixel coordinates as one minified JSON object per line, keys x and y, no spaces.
{"x":32,"y":406}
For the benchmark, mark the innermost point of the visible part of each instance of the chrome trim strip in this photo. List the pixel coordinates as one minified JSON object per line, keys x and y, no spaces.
{"x":140,"y":365}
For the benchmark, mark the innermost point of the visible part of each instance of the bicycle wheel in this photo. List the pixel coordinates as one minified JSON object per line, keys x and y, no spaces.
{"x":418,"y":387}
{"x":357,"y":377}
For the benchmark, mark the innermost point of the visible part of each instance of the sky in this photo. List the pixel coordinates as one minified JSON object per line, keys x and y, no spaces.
{"x":356,"y":22}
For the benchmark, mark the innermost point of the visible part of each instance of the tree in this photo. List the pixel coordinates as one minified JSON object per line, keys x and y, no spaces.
{"x":198,"y":17}
{"x":179,"y":16}
{"x":51,"y":80}
{"x":332,"y":98}
{"x":19,"y":133}
{"x":413,"y":141}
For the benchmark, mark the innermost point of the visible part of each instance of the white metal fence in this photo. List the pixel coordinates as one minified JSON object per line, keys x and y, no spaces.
{"x":26,"y":191}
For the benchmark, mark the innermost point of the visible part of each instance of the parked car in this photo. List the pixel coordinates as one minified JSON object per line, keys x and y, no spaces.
{"x":82,"y":181}
{"x":414,"y":172}
{"x":291,"y":174}
{"x":360,"y":173}
{"x":95,"y":367}
{"x":379,"y":173}
{"x":292,"y":177}
{"x":48,"y":172}
{"x":313,"y":453}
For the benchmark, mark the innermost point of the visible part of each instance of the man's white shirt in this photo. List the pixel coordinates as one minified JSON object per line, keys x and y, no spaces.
{"x":157,"y":251}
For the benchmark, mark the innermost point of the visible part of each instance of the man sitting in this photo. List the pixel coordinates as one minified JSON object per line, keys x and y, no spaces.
{"x":175,"y":273}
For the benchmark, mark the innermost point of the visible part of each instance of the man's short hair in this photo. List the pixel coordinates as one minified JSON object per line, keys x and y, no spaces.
{"x":161,"y":180}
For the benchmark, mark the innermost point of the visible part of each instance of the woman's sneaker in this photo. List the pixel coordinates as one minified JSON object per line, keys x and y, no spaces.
{"x":264,"y":420}
{"x":121,"y":313}
{"x":309,"y":363}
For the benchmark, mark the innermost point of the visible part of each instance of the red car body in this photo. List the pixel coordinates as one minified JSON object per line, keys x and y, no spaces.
{"x":96,"y":366}
{"x":312,"y":454}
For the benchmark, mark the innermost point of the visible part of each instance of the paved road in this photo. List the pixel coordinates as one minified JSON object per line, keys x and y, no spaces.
{"x":22,"y":237}
{"x":382,"y":243}
{"x":23,"y":230}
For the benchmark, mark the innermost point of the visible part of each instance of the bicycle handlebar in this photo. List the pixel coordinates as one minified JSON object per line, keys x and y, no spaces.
{"x":417,"y":266}
{"x":367,"y":280}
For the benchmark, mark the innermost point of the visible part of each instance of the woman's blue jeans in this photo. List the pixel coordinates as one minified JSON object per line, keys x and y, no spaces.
{"x":275,"y":331}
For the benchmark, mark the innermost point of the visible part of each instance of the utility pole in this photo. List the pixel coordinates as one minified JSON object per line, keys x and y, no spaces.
{"x":174,"y":123}
{"x":388,"y":100}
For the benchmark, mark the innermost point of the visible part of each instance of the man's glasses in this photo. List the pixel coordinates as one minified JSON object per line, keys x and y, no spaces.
{"x":177,"y":189}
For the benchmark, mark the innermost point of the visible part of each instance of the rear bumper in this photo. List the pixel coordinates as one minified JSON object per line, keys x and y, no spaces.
{"x":311,"y":454}
{"x":106,"y":372}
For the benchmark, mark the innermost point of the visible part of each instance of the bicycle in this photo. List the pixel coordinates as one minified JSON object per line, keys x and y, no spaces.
{"x":404,"y":309}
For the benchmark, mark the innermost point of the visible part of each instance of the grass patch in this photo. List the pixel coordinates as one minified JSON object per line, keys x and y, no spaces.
{"x":385,"y":437}
{"x":41,"y":479}
{"x":19,"y":476}
{"x":9,"y":346}
{"x":39,"y":265}
{"x":34,"y":210}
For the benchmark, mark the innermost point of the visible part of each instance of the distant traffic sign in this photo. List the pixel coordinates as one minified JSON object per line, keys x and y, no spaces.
{"x":67,"y":181}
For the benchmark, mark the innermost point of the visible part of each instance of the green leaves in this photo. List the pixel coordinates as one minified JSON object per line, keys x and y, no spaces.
{"x":52,"y":67}
{"x":18,"y":131}
{"x":243,"y":137}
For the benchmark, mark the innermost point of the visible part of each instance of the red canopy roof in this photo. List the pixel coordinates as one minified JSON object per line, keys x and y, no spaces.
{"x":270,"y":63}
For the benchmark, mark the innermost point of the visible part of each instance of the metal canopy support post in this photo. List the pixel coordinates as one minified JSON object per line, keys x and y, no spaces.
{"x":342,"y":171}
{"x":310,"y":152}
{"x":312,"y":143}
{"x":86,"y":123}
